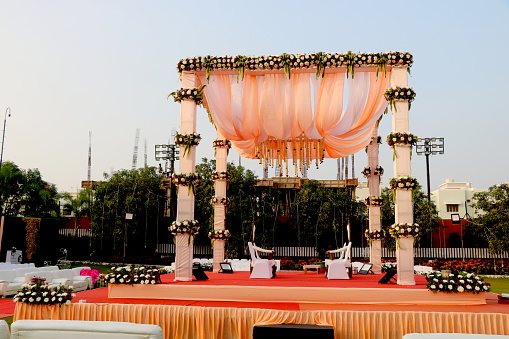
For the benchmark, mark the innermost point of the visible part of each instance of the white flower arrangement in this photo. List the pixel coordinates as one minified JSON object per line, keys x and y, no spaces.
{"x":184,"y":227}
{"x":458,"y":282}
{"x":404,"y":230}
{"x":195,"y":94}
{"x":220,"y":200}
{"x":187,"y":141}
{"x":405,"y":183}
{"x":219,"y":234}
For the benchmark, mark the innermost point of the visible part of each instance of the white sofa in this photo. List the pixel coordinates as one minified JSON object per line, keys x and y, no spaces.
{"x":76,"y":329}
{"x":78,"y":282}
{"x":4,"y":330}
{"x":7,"y":284}
{"x":48,"y":277}
{"x":77,"y":273}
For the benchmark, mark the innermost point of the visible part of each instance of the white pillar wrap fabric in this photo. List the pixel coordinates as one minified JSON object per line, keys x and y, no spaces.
{"x":183,"y":257}
{"x":375,"y":255}
{"x":405,"y":259}
{"x":219,"y":209}
{"x":185,"y":200}
{"x":403,"y":206}
{"x":375,"y":223}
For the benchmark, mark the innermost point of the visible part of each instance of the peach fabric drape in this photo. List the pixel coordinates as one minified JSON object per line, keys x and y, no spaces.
{"x":214,"y":322}
{"x":271,"y":106}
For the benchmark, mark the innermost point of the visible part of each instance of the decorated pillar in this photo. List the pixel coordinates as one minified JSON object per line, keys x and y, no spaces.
{"x":400,"y":96}
{"x":220,"y":201}
{"x":185,"y":226}
{"x":373,"y":172}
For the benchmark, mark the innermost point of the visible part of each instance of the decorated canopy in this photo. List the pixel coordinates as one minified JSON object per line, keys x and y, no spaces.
{"x":303,"y":107}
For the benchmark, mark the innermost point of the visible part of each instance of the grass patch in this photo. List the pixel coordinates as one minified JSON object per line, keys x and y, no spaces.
{"x":8,"y":320}
{"x":498,"y":285}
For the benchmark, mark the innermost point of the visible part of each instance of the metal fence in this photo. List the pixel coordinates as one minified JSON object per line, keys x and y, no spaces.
{"x":362,"y":252}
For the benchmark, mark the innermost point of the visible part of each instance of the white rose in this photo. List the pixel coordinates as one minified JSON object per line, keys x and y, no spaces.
{"x":153,"y":282}
{"x":68,"y":302}
{"x":122,"y":280}
{"x":31,"y":299}
{"x":450,"y":287}
{"x":417,"y":229}
{"x":477,"y":288}
{"x":461,"y":289}
{"x":433,"y":287}
{"x":38,"y":299}
{"x":440,"y":286}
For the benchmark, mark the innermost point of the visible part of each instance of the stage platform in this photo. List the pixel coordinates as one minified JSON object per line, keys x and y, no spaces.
{"x":294,"y":287}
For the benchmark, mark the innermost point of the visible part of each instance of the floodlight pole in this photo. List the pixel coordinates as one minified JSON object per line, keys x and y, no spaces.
{"x":3,"y":135}
{"x":429,"y":146}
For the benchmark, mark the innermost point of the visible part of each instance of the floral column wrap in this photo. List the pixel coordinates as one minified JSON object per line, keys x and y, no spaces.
{"x":373,"y":172}
{"x":400,"y":100}
{"x":185,"y":201}
{"x":220,"y":202}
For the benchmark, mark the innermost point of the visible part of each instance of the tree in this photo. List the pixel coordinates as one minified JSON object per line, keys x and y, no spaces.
{"x":40,"y":199}
{"x":11,"y":189}
{"x":135,"y":191}
{"x":79,"y":206}
{"x":492,"y":224}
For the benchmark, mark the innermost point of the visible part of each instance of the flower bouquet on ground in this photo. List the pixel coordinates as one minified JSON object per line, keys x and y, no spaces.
{"x":38,"y":292}
{"x":456,"y":283}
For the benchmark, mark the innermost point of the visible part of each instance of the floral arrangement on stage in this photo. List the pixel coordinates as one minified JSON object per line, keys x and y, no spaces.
{"x":94,"y":274}
{"x":456,"y":283}
{"x":184,"y":227}
{"x":130,"y":275}
{"x":399,"y":93}
{"x":477,"y":266}
{"x":373,"y":201}
{"x":404,"y":230}
{"x":195,"y":94}
{"x":378,"y":171}
{"x":187,"y":141}
{"x":219,"y":235}
{"x":191,"y":180}
{"x":287,"y":62}
{"x":220,"y":200}
{"x":216,"y":175}
{"x":38,"y":292}
{"x":405,"y":183}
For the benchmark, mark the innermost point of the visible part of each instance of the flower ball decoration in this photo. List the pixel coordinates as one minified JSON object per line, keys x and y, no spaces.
{"x":405,"y":183}
{"x":377,"y":171}
{"x":219,"y":235}
{"x":399,"y":93}
{"x":458,"y":282}
{"x":366,"y":171}
{"x":187,"y":141}
{"x":195,"y":94}
{"x":221,"y":175}
{"x":404,"y":230}
{"x":184,"y":227}
{"x":373,"y":201}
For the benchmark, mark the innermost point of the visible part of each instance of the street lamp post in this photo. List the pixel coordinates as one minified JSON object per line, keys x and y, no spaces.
{"x":427,"y":147}
{"x":3,"y":135}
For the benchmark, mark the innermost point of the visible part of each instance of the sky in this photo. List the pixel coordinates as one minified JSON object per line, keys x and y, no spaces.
{"x":71,"y":67}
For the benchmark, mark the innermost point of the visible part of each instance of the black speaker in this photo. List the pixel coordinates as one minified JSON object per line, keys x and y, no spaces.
{"x":294,"y":331}
{"x":198,"y":272}
{"x":388,"y":277}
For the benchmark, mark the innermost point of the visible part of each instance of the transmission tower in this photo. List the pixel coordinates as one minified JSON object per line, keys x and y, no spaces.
{"x":89,"y":155}
{"x":135,"y":152}
{"x":145,"y":158}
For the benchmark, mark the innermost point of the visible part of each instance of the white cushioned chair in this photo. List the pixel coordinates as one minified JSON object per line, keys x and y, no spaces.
{"x":338,"y":268}
{"x":262,"y":268}
{"x":77,"y":329}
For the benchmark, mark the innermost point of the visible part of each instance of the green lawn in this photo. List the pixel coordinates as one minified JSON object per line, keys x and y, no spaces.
{"x":498,"y":285}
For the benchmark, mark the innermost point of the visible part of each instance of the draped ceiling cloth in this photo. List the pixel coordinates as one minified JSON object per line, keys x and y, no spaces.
{"x":271,"y":116}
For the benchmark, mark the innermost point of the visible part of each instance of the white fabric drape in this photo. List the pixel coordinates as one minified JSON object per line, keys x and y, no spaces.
{"x":271,"y":106}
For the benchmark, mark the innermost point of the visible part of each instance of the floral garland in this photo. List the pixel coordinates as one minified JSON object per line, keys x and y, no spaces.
{"x":195,"y":94}
{"x":187,"y":141}
{"x":38,"y":292}
{"x":131,"y":275}
{"x":184,"y":227}
{"x":401,"y":139}
{"x":374,"y":235}
{"x":219,"y":235}
{"x":287,"y":62}
{"x":222,"y":143}
{"x":399,"y":93}
{"x":373,"y":201}
{"x":378,"y":171}
{"x":216,"y":175}
{"x":406,"y":183}
{"x":404,"y":230}
{"x":191,"y":180}
{"x":223,"y":201}
{"x":456,"y":283}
